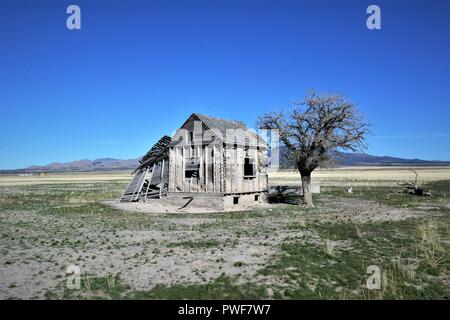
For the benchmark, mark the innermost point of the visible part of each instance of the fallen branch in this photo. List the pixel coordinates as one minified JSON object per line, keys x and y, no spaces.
{"x":413,"y":188}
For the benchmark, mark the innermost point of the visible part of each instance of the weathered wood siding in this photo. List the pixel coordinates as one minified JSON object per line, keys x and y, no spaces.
{"x":221,"y":167}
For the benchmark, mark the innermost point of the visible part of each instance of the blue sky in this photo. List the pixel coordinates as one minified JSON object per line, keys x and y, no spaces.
{"x":137,"y":69}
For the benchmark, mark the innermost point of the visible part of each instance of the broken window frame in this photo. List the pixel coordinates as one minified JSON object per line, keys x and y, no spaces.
{"x":251,"y":162}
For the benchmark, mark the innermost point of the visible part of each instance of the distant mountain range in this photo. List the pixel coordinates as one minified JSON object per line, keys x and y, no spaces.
{"x":108,"y":164}
{"x":362,"y":159}
{"x":103,"y":164}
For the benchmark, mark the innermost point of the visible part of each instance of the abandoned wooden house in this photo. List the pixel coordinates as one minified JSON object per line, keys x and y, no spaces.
{"x":208,"y":159}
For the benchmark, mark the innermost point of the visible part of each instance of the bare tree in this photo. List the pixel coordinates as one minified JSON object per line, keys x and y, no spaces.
{"x":316,"y":130}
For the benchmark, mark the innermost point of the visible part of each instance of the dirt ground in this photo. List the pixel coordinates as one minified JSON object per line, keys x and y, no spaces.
{"x":166,"y":253}
{"x":47,"y":227}
{"x":166,"y":206}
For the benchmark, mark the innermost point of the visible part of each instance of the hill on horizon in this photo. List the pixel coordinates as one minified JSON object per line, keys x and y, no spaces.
{"x":110,"y":164}
{"x":363,"y":159}
{"x":84,"y":165}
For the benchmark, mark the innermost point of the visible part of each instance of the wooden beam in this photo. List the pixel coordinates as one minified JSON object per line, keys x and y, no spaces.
{"x":256,"y":171}
{"x":139,"y":186}
{"x":162,"y":179}
{"x":171,"y":171}
{"x":149,"y":182}
{"x":138,"y":177}
{"x":183,"y":168}
{"x":206,"y":168}
{"x":200,"y":168}
{"x":214,"y":168}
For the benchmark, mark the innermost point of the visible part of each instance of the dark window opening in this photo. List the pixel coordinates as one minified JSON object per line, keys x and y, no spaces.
{"x":249,"y":168}
{"x":235,"y":200}
{"x":192,"y":169}
{"x":191,"y":174}
{"x":257,"y":197}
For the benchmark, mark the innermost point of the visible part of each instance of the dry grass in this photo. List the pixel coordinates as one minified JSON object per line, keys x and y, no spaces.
{"x":55,"y":178}
{"x":383,"y":176}
{"x":286,"y":251}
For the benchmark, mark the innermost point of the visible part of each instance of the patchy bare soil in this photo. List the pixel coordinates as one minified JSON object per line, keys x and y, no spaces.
{"x":47,"y":228}
{"x":171,"y":206}
{"x":364,"y":211}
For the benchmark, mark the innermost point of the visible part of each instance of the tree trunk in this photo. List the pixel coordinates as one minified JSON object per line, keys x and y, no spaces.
{"x":306,"y":187}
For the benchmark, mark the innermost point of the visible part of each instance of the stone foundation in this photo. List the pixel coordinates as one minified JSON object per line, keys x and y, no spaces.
{"x":218,"y":201}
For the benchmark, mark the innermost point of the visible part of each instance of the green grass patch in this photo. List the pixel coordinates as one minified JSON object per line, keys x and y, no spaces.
{"x":195,"y":244}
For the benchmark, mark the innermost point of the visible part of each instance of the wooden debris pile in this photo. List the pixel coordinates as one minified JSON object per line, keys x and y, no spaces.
{"x":413,"y":188}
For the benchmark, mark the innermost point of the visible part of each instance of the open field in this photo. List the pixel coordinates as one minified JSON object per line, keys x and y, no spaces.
{"x":55,"y":178}
{"x":363,"y":175}
{"x":338,"y":176}
{"x":283,"y":252}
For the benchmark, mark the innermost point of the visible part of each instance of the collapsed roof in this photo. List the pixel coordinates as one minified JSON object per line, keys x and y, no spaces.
{"x":159,"y":151}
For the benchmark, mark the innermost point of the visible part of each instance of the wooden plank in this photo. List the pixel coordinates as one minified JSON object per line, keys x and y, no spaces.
{"x":131,"y":188}
{"x":239,"y":167}
{"x":140,"y":185}
{"x":179,"y":169}
{"x":161,"y":185}
{"x":182,"y":168}
{"x":149,"y":182}
{"x":256,"y":183}
{"x":234,"y":170}
{"x":214,"y":170}
{"x":200,"y":169}
{"x":171,"y":171}
{"x":206,"y":168}
{"x":224,"y":181}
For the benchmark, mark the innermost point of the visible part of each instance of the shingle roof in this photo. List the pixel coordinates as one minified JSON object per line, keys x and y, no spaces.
{"x":241,"y":133}
{"x":218,"y":123}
